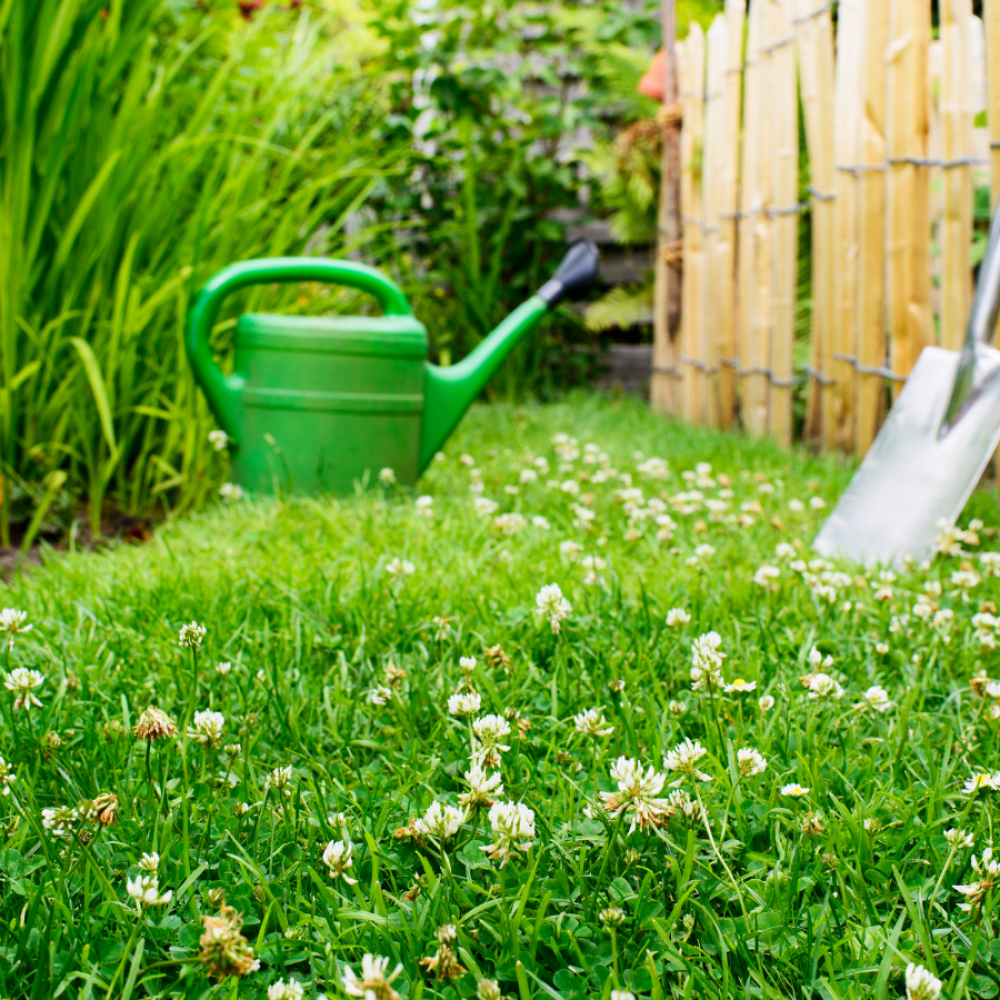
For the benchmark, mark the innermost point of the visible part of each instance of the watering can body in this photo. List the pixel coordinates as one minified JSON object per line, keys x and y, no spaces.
{"x":321,"y":404}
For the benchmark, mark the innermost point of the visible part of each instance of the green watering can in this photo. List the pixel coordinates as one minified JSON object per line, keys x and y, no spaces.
{"x":317,"y":403}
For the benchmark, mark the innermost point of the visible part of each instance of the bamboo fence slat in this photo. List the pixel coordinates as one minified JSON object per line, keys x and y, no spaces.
{"x":725,"y":333}
{"x":759,"y":223}
{"x":814,"y":30}
{"x":718,"y":283}
{"x":785,"y":168}
{"x":666,"y":287}
{"x":991,"y":27}
{"x":956,"y":117}
{"x":847,"y":152}
{"x":750,"y":200}
{"x":692,"y":154}
{"x":871,"y":270}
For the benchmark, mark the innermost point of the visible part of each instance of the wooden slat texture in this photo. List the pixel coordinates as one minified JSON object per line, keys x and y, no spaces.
{"x":750,"y":197}
{"x":692,"y":162}
{"x":725,"y":257}
{"x":718,"y":283}
{"x":871,"y":263}
{"x":785,"y":167}
{"x":956,"y":119}
{"x":908,"y":240}
{"x":814,"y":30}
{"x":761,"y":249}
{"x":847,"y":151}
{"x":667,"y":273}
{"x":991,"y":25}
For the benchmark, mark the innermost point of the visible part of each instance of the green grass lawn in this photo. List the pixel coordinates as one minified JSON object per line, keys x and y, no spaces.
{"x":423,"y":753}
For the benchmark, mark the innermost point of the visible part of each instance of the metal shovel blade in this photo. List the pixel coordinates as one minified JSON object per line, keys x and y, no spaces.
{"x":914,"y":475}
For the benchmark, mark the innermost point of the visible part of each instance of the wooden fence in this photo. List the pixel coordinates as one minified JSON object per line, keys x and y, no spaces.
{"x":899,"y":131}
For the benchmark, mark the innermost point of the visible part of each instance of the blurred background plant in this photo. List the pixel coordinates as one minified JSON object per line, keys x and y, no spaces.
{"x":147,"y":144}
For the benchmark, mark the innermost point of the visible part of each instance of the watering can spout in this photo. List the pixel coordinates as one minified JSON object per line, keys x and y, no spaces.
{"x":448,"y":392}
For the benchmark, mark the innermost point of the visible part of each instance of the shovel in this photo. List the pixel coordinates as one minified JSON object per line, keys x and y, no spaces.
{"x":933,"y":446}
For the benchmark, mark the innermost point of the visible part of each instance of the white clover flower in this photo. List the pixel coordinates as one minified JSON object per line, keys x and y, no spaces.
{"x":488,"y":989}
{"x":386,"y":476}
{"x":551,"y":605}
{"x":487,"y":733}
{"x":191,"y":635}
{"x":483,"y":788}
{"x":400,"y":568}
{"x":796,"y":506}
{"x":637,"y":794}
{"x":741,"y":686}
{"x":766,"y":577}
{"x":145,"y":890}
{"x":823,"y":687}
{"x":877,"y":698}
{"x":675,"y":707}
{"x":958,"y":839}
{"x":683,"y":759}
{"x":817,"y":659}
{"x":592,"y":723}
{"x":223,"y":669}
{"x":817,"y":503}
{"x":149,"y":862}
{"x":750,"y":762}
{"x":441,"y":821}
{"x":542,"y":523}
{"x":338,"y":858}
{"x":510,"y":524}
{"x":988,"y":871}
{"x":7,"y":777}
{"x":424,"y":506}
{"x":765,"y":702}
{"x":783,"y":550}
{"x":207,"y":728}
{"x":24,"y":682}
{"x":677,"y":616}
{"x":706,"y":660}
{"x":921,"y":984}
{"x":622,"y":995}
{"x":380,"y":696}
{"x":794,"y":791}
{"x":12,"y":622}
{"x":373,"y":983}
{"x":484,"y":505}
{"x":704,"y":551}
{"x":231,"y":492}
{"x":281,"y":990}
{"x":881,"y":648}
{"x":218,"y":439}
{"x":513,"y":826}
{"x":464,"y":703}
{"x":467,"y":663}
{"x":983,"y":781}
{"x":965,"y":578}
{"x":279,"y":779}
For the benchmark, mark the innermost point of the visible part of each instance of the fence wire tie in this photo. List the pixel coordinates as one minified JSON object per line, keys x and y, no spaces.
{"x":777,"y":45}
{"x":754,"y":370}
{"x":815,"y":373}
{"x":821,"y":195}
{"x":695,"y":363}
{"x":730,"y":363}
{"x":670,"y":370}
{"x":802,"y":206}
{"x":816,"y":13}
{"x":787,"y":383}
{"x":690,"y":220}
{"x":861,"y":369}
{"x":923,"y":161}
{"x":995,"y":145}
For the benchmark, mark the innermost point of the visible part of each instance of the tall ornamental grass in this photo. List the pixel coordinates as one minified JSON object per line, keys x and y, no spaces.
{"x":138,"y":154}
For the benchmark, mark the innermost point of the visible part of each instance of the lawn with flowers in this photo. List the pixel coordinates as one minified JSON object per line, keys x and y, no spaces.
{"x":582,"y":718}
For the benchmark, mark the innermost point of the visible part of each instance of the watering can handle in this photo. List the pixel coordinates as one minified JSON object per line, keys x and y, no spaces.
{"x":223,"y":392}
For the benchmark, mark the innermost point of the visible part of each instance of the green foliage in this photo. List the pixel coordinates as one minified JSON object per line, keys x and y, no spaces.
{"x":140,"y":154}
{"x":828,"y":894}
{"x":497,"y":101}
